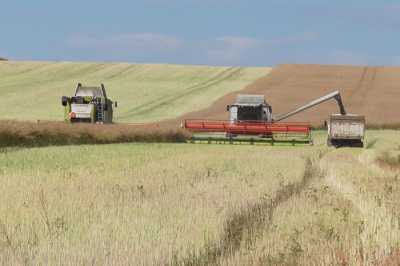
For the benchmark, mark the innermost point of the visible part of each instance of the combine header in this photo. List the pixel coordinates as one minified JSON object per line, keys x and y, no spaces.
{"x":251,"y":121}
{"x":248,"y":132}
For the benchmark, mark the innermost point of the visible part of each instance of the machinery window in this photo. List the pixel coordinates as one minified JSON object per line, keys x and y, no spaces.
{"x":249,"y":113}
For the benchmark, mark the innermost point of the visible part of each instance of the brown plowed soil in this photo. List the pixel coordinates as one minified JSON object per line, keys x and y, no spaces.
{"x":370,"y":91}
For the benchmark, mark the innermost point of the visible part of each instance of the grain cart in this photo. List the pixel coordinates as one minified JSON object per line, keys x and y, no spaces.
{"x":89,"y":104}
{"x":346,"y":130}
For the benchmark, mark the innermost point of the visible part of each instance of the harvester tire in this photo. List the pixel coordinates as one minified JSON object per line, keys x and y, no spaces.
{"x":64,"y":100}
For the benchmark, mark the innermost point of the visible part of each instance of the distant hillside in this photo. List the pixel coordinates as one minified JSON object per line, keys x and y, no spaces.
{"x":371,"y":91}
{"x":145,"y":93}
{"x":3,"y":59}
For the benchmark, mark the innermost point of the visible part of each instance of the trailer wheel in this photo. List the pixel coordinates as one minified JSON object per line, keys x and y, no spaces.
{"x":358,"y":144}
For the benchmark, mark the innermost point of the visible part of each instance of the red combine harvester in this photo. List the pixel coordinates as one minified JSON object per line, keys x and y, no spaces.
{"x":251,"y":121}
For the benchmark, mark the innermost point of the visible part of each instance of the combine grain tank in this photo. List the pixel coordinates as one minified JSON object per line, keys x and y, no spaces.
{"x":346,"y":130}
{"x":90,"y":105}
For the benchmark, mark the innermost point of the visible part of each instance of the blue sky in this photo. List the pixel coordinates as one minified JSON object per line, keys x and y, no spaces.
{"x":212,"y":32}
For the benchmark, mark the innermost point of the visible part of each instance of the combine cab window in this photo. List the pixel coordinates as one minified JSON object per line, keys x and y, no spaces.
{"x":89,"y":91}
{"x":249,"y":113}
{"x":80,"y":100}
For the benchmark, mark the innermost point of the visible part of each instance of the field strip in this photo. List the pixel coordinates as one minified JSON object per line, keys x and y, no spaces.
{"x":67,"y":74}
{"x":228,"y":73}
{"x":378,"y":232}
{"x":164,"y":100}
{"x":127,"y":69}
{"x":245,"y":225}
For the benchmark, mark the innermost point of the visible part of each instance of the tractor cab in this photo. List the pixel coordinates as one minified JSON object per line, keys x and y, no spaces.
{"x":90,"y":91}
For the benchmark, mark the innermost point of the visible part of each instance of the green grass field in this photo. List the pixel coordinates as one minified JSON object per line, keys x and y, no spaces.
{"x":145,"y":93}
{"x":199,"y":204}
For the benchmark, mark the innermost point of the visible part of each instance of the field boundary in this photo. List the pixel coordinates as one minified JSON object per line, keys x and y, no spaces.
{"x":30,"y":134}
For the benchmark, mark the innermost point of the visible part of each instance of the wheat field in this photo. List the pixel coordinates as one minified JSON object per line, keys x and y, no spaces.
{"x":347,"y":215}
{"x":144,"y":92}
{"x":199,"y":204}
{"x":125,"y":203}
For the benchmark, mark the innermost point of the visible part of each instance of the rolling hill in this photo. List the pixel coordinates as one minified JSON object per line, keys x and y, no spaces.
{"x":154,"y":92}
{"x":371,"y":91}
{"x":145,"y":93}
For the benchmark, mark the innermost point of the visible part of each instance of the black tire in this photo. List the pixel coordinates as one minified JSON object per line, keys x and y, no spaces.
{"x":359,"y":144}
{"x":64,"y":100}
{"x":339,"y":143}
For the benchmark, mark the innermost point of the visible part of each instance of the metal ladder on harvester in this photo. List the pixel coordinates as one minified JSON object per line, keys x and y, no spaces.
{"x":99,"y":112}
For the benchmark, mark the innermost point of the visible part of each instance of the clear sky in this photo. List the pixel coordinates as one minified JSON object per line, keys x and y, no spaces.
{"x":213,"y":32}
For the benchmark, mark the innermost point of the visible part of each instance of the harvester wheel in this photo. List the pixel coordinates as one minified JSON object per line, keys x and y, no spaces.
{"x":64,"y":100}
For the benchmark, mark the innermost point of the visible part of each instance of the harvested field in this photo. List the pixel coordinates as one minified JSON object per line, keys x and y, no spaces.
{"x":371,"y":91}
{"x":145,"y":93}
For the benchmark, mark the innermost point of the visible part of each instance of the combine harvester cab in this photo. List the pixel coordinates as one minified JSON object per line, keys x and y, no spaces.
{"x":250,"y":108}
{"x":89,"y":105}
